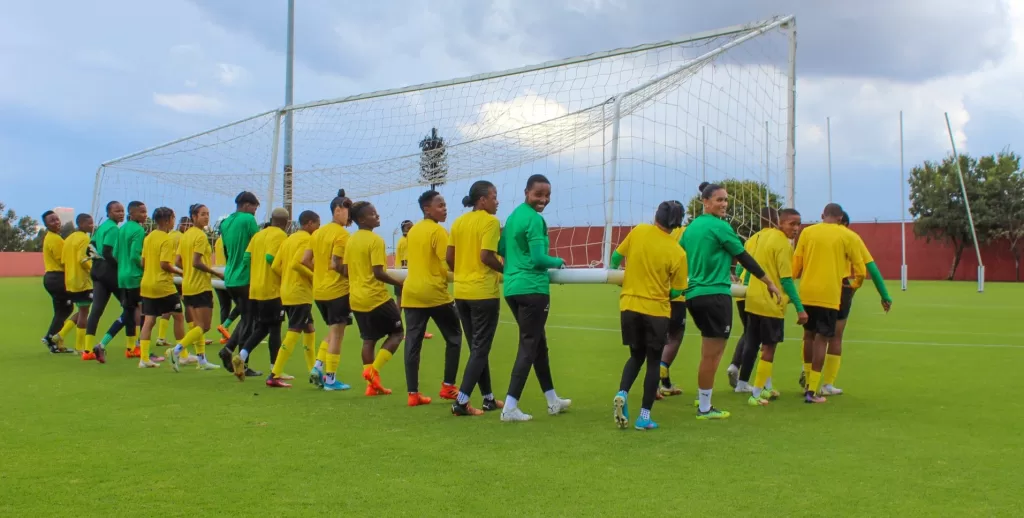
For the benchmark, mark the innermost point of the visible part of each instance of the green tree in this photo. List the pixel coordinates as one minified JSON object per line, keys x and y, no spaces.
{"x":1005,"y":189}
{"x":746,"y":198}
{"x":17,"y":234}
{"x":937,"y":202}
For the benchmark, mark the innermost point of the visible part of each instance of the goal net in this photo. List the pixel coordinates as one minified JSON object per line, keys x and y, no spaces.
{"x":616,"y":133}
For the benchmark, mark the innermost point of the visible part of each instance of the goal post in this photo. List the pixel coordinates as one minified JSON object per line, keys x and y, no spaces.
{"x":616,"y":133}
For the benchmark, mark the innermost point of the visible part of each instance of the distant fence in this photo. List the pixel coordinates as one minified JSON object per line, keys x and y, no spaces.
{"x":581,"y":247}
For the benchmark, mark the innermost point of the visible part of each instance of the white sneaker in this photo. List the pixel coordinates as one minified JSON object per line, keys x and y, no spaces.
{"x":743,"y":388}
{"x":207,"y":366}
{"x":829,"y":390}
{"x":514,"y":415}
{"x":188,"y":360}
{"x":734,"y":375}
{"x":147,"y":364}
{"x":560,"y":405}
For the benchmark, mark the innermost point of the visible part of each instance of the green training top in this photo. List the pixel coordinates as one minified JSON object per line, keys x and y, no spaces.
{"x":710,"y":244}
{"x":128,"y":252}
{"x":524,"y":245}
{"x":104,"y":266}
{"x":236,"y":230}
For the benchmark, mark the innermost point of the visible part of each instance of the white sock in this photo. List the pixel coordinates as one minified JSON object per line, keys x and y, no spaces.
{"x":244,"y":355}
{"x":756,"y":391}
{"x":741,"y":385}
{"x":733,"y":368}
{"x":768,"y":384}
{"x":704,"y":396}
{"x":511,"y":403}
{"x":486,"y":396}
{"x":318,"y":365}
{"x":178,"y":348}
{"x":645,"y":413}
{"x":552,"y":397}
{"x":463,"y":399}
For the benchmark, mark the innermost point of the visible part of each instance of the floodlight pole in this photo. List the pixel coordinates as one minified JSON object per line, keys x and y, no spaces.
{"x":288,"y":72}
{"x":828,"y":140}
{"x":903,"y":212}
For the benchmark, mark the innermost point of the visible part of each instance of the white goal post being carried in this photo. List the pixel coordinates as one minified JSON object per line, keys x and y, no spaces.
{"x":616,"y":133}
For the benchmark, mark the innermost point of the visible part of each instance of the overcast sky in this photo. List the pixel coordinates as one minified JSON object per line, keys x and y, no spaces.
{"x":89,"y":81}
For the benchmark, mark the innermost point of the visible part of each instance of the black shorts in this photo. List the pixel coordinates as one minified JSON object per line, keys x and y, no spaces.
{"x":677,"y":322}
{"x":764,"y":330}
{"x":161,"y":306}
{"x":178,"y":287}
{"x":741,"y":310}
{"x":199,"y":300}
{"x":131,"y":297}
{"x":821,"y":320}
{"x":712,"y":314}
{"x":300,"y":316}
{"x":379,"y":322}
{"x":845,"y":303}
{"x":640,"y":330}
{"x":53,"y":282}
{"x":80,"y":298}
{"x":267,"y":311}
{"x":335,"y":311}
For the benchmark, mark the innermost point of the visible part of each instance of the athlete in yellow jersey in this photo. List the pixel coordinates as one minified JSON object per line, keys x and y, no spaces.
{"x":376,"y":312}
{"x":821,"y":261}
{"x":264,"y":294}
{"x":78,"y":281}
{"x":53,"y":282}
{"x":656,"y":272}
{"x":196,"y":286}
{"x":676,"y":330}
{"x":426,"y":297}
{"x":175,"y":236}
{"x":227,"y":314}
{"x":159,"y":295}
{"x":296,"y":297}
{"x":473,"y":258}
{"x":740,"y":276}
{"x":325,"y":255}
{"x":402,"y":255}
{"x":765,"y":315}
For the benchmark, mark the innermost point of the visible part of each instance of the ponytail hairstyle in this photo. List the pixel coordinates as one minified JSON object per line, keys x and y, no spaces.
{"x":669,"y":214}
{"x":340,"y":201}
{"x":356,"y":211}
{"x":707,"y":190}
{"x":478,"y":190}
{"x":194,"y":209}
{"x":162,"y":214}
{"x":845,"y":221}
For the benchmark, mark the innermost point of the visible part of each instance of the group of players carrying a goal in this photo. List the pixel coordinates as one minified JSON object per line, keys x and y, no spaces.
{"x":272,"y":278}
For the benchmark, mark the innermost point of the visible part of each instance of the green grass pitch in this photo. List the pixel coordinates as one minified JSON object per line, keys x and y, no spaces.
{"x":930,"y":426}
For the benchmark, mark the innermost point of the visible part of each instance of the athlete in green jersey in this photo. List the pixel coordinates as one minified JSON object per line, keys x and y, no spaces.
{"x":236,"y":231}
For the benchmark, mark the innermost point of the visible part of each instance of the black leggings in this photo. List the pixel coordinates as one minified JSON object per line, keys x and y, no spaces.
{"x":101,"y":292}
{"x":62,"y":308}
{"x":531,"y":313}
{"x":638,"y":354}
{"x":737,"y":354}
{"x":226,"y":311}
{"x":240,"y":296}
{"x":479,"y":322}
{"x":260,"y":330}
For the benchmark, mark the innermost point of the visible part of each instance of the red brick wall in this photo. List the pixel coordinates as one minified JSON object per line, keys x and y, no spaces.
{"x":21,"y":264}
{"x":580,"y":246}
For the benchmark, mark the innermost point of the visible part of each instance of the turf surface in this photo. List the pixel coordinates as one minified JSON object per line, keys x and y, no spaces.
{"x":929,"y":426}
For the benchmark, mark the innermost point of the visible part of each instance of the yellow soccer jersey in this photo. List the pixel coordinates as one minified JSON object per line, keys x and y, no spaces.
{"x":77,"y":264}
{"x":175,"y":237}
{"x":471,"y":233}
{"x":402,"y":251}
{"x":53,"y":249}
{"x":677,"y":236}
{"x":218,"y":252}
{"x":296,"y":279}
{"x":328,"y":241}
{"x":157,"y":283}
{"x":426,"y":286}
{"x":775,"y":255}
{"x":264,"y":283}
{"x":193,"y":280}
{"x":820,"y":261}
{"x":865,"y":255}
{"x":364,"y":251}
{"x":655,"y":264}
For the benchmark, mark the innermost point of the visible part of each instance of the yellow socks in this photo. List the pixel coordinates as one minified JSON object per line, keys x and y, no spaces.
{"x":80,"y":339}
{"x":129,"y":342}
{"x":161,"y":326}
{"x":831,"y":369}
{"x":144,"y":349}
{"x":764,"y":371}
{"x":322,"y":353}
{"x":813,"y":381}
{"x":331,"y":365}
{"x":191,"y":337}
{"x":90,"y":340}
{"x":807,"y":368}
{"x":287,"y":346}
{"x":309,"y":348}
{"x":68,"y":326}
{"x":663,"y":371}
{"x":383,"y":357}
{"x":200,"y":343}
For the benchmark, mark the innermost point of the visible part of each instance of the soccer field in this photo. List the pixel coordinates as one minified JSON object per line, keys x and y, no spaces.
{"x":930,"y":425}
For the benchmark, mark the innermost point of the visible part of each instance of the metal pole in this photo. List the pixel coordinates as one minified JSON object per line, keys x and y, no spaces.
{"x":903,"y":213}
{"x":967,"y":205}
{"x":96,"y":193}
{"x":613,"y":166}
{"x":704,"y":154}
{"x":767,"y":168}
{"x":828,"y":138}
{"x":288,"y":70}
{"x":791,"y":117}
{"x":273,"y":165}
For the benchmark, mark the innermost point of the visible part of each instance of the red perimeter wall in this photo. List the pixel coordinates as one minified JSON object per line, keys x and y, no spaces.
{"x":581,"y":246}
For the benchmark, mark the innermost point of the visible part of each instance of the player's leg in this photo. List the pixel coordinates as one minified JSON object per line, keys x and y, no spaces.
{"x":479,"y":322}
{"x":713,"y":316}
{"x":150,"y":310}
{"x":227,"y":313}
{"x":764,"y":372}
{"x":60,"y":323}
{"x":100,"y":296}
{"x":309,"y":343}
{"x":539,"y":305}
{"x":737,"y":354}
{"x":202,"y":317}
{"x":446,"y":318}
{"x":259,"y":330}
{"x":528,"y":342}
{"x":807,"y":344}
{"x":240,"y":298}
{"x":834,"y":350}
{"x":823,"y":325}
{"x":631,"y":327}
{"x":676,"y":331}
{"x":338,"y":311}
{"x":274,"y":340}
{"x":485,"y":325}
{"x":416,"y":319}
{"x":385,"y":320}
{"x":753,"y":337}
{"x":81,"y":325}
{"x":298,"y":323}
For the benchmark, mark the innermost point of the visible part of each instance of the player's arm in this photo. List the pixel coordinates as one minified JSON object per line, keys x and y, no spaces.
{"x":338,"y":254}
{"x":135,"y":247}
{"x":535,"y":234}
{"x":86,"y":259}
{"x":731,"y":243}
{"x":491,"y":246}
{"x":199,"y":264}
{"x":798,"y":257}
{"x":679,"y":279}
{"x":440,"y":246}
{"x":167,"y":259}
{"x":379,"y":261}
{"x":857,"y":260}
{"x":784,"y":262}
{"x":621,"y":252}
{"x":449,"y":257}
{"x":298,"y":266}
{"x":307,"y":258}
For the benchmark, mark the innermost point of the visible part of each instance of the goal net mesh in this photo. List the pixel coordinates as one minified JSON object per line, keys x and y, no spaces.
{"x":704,"y":108}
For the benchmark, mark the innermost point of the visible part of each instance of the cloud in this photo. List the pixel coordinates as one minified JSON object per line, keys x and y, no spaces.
{"x":189,"y":103}
{"x":229,"y":74}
